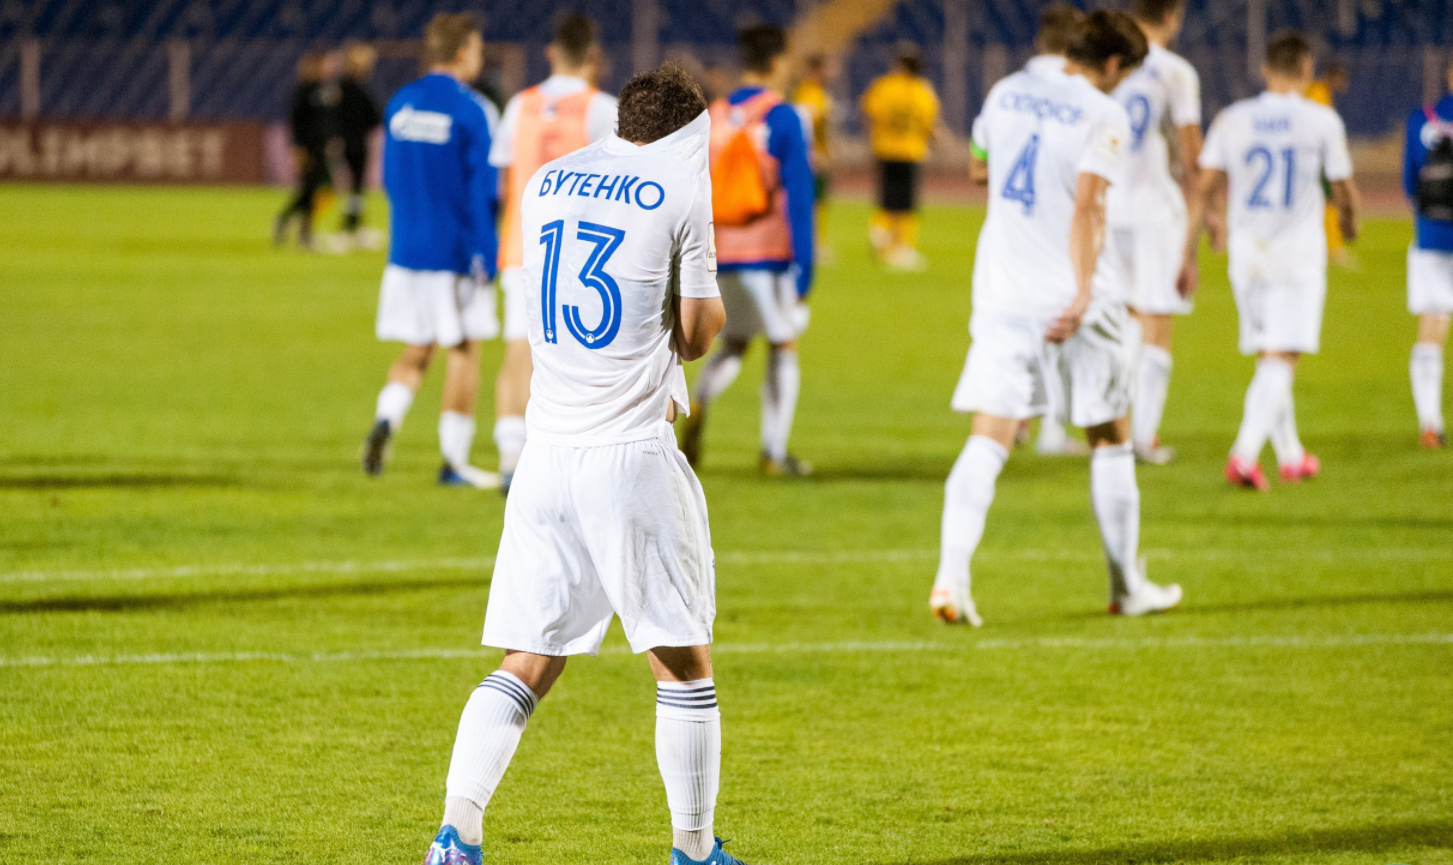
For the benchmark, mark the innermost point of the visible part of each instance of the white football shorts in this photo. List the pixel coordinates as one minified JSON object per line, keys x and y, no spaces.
{"x":434,"y":307}
{"x":1285,"y":315}
{"x":761,"y":302}
{"x":1430,"y":281}
{"x":517,"y":320}
{"x":1013,"y":372}
{"x":592,"y":532}
{"x":1148,"y":260}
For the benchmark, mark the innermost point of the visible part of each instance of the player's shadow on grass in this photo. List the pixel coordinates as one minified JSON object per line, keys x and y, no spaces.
{"x":113,"y":480}
{"x":179,"y":600}
{"x":1353,"y":839}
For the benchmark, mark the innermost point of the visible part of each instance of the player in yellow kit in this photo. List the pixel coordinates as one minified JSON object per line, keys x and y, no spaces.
{"x":902,"y":111}
{"x":1324,"y":91}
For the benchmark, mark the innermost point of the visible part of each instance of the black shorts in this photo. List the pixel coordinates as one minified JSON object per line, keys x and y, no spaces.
{"x":897,"y":186}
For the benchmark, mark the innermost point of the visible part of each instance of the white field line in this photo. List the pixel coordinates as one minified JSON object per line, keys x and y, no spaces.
{"x":764,"y":557}
{"x":1286,"y":641}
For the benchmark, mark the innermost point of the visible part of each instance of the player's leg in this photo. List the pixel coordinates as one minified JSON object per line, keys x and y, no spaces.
{"x":1152,"y":384}
{"x":356,"y":155}
{"x":1426,"y":371}
{"x":490,"y":729}
{"x":1267,"y":398}
{"x":967,"y":495}
{"x":1293,"y":461}
{"x":1115,"y":499}
{"x":688,"y":746}
{"x":881,"y":228}
{"x":405,"y":375}
{"x":456,"y":419}
{"x":724,"y":364}
{"x":512,"y":387}
{"x":784,"y":318}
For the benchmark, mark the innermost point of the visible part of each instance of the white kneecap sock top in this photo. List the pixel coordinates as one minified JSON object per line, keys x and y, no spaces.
{"x":1152,"y":385}
{"x":489,"y":732}
{"x":1115,"y":497}
{"x":688,"y":752}
{"x":1426,"y":371}
{"x":393,"y":404}
{"x":509,"y":439}
{"x":456,"y":437}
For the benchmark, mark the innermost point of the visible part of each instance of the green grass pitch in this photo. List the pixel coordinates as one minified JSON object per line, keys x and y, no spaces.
{"x":220,"y":643}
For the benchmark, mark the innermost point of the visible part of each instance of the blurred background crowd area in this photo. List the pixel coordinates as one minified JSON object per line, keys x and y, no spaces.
{"x":168,"y":74}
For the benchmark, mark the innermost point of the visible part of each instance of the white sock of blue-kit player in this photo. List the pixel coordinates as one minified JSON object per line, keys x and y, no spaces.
{"x":1426,"y":371}
{"x":1115,"y":497}
{"x":393,"y":404}
{"x":688,"y":752}
{"x":779,"y":401}
{"x":489,"y":732}
{"x":456,"y":437}
{"x":967,"y":495}
{"x":509,"y":438}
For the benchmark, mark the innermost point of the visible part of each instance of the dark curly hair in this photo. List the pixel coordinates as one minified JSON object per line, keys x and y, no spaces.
{"x":1103,"y":35}
{"x":657,"y":103}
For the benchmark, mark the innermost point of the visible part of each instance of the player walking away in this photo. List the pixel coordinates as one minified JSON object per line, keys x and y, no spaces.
{"x":814,"y":99}
{"x":1044,"y":296}
{"x":763,"y":206}
{"x":435,"y":288}
{"x":313,"y":123}
{"x":1324,"y":91}
{"x":1274,"y":150}
{"x":358,"y":116}
{"x":543,"y":123}
{"x":902,"y":111}
{"x":605,"y":516}
{"x":1148,"y":209}
{"x":1428,"y":181}
{"x":1058,"y":23}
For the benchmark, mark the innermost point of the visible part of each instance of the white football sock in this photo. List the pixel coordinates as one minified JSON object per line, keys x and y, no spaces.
{"x":1284,"y":439}
{"x":1052,"y":436}
{"x":1426,"y":370}
{"x":966,"y":499}
{"x":1268,"y":393}
{"x":717,"y":374}
{"x":688,"y":752}
{"x":509,"y":438}
{"x":779,"y":401}
{"x":1153,"y":382}
{"x":489,"y":731}
{"x":456,"y":437}
{"x":1115,"y":497}
{"x":393,"y":404}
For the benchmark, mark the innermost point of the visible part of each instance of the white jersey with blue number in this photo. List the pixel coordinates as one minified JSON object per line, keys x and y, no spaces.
{"x":611,"y":231}
{"x":1041,"y":131}
{"x":1275,"y":149}
{"x":1160,"y":97}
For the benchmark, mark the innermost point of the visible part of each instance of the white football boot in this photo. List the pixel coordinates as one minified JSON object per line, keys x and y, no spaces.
{"x":954,"y":606}
{"x":1151,"y":598}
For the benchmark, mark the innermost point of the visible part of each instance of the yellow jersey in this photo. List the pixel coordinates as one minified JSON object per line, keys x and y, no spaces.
{"x":1319,"y":92}
{"x":814,"y":99}
{"x":901,"y":109}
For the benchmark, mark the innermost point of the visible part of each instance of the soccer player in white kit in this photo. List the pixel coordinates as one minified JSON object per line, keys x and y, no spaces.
{"x":605,"y":516}
{"x":1044,"y":297}
{"x":1147,"y":210}
{"x":1274,"y":150}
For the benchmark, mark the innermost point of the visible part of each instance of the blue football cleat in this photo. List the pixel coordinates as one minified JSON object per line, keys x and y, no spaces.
{"x":467,"y":476}
{"x":447,"y":849}
{"x":717,"y":856}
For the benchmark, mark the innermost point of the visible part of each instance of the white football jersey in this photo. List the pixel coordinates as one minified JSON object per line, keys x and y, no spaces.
{"x":1041,"y":131}
{"x":1161,"y":96}
{"x":1275,"y":149}
{"x":611,"y":231}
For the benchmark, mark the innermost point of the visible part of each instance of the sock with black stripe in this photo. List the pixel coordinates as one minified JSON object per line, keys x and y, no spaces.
{"x":489,"y":731}
{"x":688,"y":751}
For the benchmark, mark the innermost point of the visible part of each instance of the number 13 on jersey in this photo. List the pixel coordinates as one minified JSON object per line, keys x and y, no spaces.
{"x":606,"y":241}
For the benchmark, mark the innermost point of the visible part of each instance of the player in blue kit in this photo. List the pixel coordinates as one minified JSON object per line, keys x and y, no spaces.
{"x":436,"y":290}
{"x":605,"y":517}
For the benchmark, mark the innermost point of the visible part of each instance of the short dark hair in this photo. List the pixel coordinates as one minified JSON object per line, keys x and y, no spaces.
{"x":1103,"y":35}
{"x":905,"y":54}
{"x":575,"y":35}
{"x":1155,"y":11}
{"x":1057,"y":25}
{"x":1286,"y":50}
{"x":446,"y":34}
{"x":657,"y":103}
{"x":760,"y":45}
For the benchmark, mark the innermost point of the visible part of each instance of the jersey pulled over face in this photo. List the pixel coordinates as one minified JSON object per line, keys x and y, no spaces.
{"x":1275,"y":150}
{"x":1040,"y":131}
{"x":1159,"y":98}
{"x":610,"y":232}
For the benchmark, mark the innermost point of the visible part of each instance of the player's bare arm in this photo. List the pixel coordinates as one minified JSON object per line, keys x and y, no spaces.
{"x":1204,"y":199}
{"x":978,"y":170}
{"x":1189,"y":142}
{"x":698,"y":321}
{"x":1349,"y":207}
{"x":1087,"y":239}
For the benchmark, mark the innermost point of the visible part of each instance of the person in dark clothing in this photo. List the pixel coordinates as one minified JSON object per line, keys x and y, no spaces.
{"x":358,"y":116}
{"x":313,"y":119}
